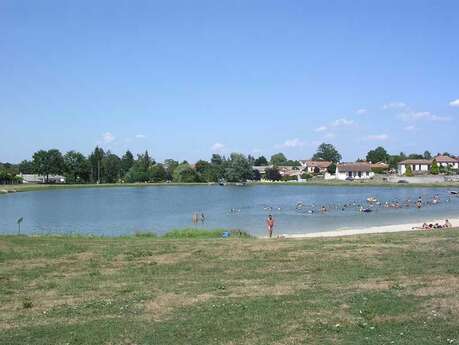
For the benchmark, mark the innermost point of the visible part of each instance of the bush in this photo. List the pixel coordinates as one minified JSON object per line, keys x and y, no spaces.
{"x":435,"y":170}
{"x":289,"y":178}
{"x":408,"y":171}
{"x":27,"y":303}
{"x":201,"y":233}
{"x":306,"y":176}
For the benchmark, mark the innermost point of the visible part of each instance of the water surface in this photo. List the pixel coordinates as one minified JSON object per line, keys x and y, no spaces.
{"x":126,"y":210}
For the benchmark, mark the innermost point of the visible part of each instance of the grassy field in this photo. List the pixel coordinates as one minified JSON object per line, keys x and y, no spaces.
{"x":376,"y":289}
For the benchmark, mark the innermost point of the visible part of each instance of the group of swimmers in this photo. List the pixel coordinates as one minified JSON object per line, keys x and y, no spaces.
{"x":371,"y":204}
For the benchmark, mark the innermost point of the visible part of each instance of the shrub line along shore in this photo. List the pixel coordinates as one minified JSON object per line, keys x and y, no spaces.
{"x":42,"y":187}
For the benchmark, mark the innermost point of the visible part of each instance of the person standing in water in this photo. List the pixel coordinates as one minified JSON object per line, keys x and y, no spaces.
{"x":270,"y":225}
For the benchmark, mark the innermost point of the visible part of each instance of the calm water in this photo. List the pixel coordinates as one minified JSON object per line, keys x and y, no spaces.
{"x":120,"y":211}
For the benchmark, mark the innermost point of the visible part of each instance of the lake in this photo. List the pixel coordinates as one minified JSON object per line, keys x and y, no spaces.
{"x":127,"y":210}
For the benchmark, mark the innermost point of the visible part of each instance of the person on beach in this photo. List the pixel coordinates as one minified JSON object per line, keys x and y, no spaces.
{"x":270,"y":225}
{"x":448,"y":224}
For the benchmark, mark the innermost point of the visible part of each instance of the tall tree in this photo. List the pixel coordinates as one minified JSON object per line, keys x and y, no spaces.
{"x":278,"y":159}
{"x":158,"y":173}
{"x":111,"y":164}
{"x":260,"y":161}
{"x":26,"y":167}
{"x":170,"y":165}
{"x":378,"y":155}
{"x":127,"y":161}
{"x":76,"y":167}
{"x":95,"y":159}
{"x":273,"y":174}
{"x":239,"y":169}
{"x":184,"y":173}
{"x":427,"y":155}
{"x":48,"y":162}
{"x":327,"y":152}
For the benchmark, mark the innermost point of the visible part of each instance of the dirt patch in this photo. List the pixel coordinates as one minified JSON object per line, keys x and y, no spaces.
{"x":373,"y":285}
{"x":171,"y":258}
{"x":250,"y":288}
{"x":166,"y":303}
{"x":438,"y":286}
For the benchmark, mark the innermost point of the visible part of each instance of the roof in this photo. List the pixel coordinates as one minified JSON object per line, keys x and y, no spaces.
{"x":318,"y":164}
{"x":446,"y":159}
{"x":361,"y":166}
{"x":416,"y":161}
{"x":380,"y":165}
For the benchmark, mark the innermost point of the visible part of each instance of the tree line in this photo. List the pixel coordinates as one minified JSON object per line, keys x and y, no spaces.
{"x":102,"y":166}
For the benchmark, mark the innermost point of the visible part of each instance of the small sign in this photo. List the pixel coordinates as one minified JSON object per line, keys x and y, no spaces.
{"x":20,"y":220}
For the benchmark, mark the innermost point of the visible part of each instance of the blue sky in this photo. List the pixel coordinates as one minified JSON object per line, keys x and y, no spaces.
{"x":184,"y":79}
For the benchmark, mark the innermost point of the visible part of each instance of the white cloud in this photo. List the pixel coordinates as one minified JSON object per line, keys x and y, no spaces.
{"x":378,"y":137}
{"x":342,"y":122}
{"x":361,"y":111}
{"x":394,"y":105}
{"x":410,"y":128}
{"x":108,"y":138}
{"x":217,"y":147}
{"x":423,"y":115}
{"x":321,"y":129}
{"x":440,"y":118}
{"x":140,"y":136}
{"x":329,"y":136}
{"x":293,"y":143}
{"x":454,"y":103}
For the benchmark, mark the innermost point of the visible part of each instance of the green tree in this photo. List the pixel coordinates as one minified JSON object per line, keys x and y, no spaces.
{"x":327,"y":152}
{"x":206,"y":171}
{"x":76,"y":167}
{"x":127,"y":161}
{"x":216,"y":159}
{"x":434,"y":170}
{"x":170,"y":165}
{"x":378,"y":155}
{"x":278,"y":159}
{"x":26,"y":167}
{"x":184,"y":173}
{"x":331,"y":168}
{"x":427,"y":155}
{"x":95,"y":160}
{"x":111,"y":165}
{"x":239,"y":169}
{"x":158,"y":173}
{"x":48,"y":162}
{"x":260,"y":161}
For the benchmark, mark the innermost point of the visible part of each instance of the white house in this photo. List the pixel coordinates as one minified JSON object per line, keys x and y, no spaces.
{"x":357,"y":171}
{"x":38,"y":179}
{"x":315,"y":167}
{"x":446,"y":161}
{"x":418,"y":166}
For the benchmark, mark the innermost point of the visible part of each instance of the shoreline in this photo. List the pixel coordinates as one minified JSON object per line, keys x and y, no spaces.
{"x":9,"y":189}
{"x":406,"y":227}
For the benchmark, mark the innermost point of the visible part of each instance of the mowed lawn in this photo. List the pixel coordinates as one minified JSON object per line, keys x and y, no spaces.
{"x":376,"y":289}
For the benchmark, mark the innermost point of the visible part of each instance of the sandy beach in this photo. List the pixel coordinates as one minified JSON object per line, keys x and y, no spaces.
{"x":373,"y":229}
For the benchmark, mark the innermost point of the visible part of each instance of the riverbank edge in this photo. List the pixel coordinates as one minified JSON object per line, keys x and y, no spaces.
{"x":46,"y":187}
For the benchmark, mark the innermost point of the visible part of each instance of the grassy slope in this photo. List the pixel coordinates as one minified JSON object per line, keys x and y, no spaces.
{"x":378,"y":289}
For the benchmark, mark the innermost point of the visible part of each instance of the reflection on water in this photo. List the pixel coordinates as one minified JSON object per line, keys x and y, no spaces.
{"x":297,"y":209}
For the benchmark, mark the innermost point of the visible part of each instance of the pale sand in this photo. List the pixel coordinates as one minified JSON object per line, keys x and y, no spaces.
{"x":371,"y":230}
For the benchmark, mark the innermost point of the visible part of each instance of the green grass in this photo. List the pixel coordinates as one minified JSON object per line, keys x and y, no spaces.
{"x":374,"y":289}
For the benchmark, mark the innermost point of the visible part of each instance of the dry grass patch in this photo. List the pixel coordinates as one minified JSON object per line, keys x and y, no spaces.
{"x":166,"y":303}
